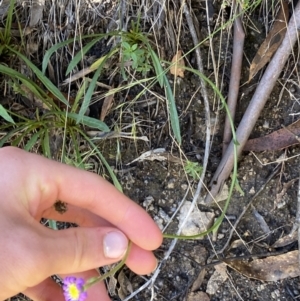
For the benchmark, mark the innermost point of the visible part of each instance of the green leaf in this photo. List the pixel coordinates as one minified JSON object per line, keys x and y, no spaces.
{"x":80,"y":93}
{"x":50,"y":51}
{"x":7,"y":31}
{"x":46,"y":144}
{"x":157,"y":66}
{"x":135,"y":60}
{"x":27,"y":82}
{"x":5,"y":115}
{"x":172,"y":111}
{"x":89,"y":93}
{"x":126,"y":46}
{"x":90,"y":122}
{"x":102,"y":59}
{"x":31,"y":142}
{"x":238,"y":188}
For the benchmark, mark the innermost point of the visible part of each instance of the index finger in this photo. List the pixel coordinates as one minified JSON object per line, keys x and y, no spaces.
{"x":54,"y":181}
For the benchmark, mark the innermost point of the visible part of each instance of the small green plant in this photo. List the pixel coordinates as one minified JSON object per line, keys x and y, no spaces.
{"x":193,"y":169}
{"x":134,"y":49}
{"x":138,"y":56}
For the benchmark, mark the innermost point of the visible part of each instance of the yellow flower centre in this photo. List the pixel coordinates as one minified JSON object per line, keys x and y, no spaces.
{"x":74,"y":292}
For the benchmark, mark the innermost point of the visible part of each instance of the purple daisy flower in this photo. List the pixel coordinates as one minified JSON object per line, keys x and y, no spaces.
{"x":74,"y":289}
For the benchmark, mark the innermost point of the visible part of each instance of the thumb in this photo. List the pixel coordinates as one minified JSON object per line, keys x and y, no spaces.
{"x":80,"y":249}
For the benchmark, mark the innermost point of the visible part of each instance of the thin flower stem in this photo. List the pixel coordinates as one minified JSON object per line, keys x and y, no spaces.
{"x":94,"y":280}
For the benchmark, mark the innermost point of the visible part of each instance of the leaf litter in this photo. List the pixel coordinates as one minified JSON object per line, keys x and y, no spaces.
{"x":282,"y":138}
{"x":272,"y":268}
{"x":272,"y":41}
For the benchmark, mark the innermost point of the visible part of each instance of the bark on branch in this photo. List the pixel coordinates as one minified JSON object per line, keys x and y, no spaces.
{"x":256,"y":105}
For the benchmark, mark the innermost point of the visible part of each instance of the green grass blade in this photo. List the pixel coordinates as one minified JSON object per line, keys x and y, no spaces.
{"x":5,"y":115}
{"x":100,"y":62}
{"x":88,"y":96}
{"x":54,"y":48}
{"x":7,"y":31}
{"x":78,"y":57}
{"x":46,"y":144}
{"x":88,"y":121}
{"x":89,"y":93}
{"x":37,"y":91}
{"x":27,"y":129}
{"x":172,"y":110}
{"x":31,"y":142}
{"x":80,"y":93}
{"x":9,"y":135}
{"x":50,"y":52}
{"x":47,"y":83}
{"x":77,"y":151}
{"x":157,"y":66}
{"x":109,"y":169}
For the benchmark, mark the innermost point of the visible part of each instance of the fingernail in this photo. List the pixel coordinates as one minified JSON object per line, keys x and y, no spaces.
{"x":155,"y":266}
{"x":115,"y":244}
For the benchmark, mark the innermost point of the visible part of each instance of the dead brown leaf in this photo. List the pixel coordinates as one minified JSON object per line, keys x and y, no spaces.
{"x":272,"y":41}
{"x":271,"y":268}
{"x":177,"y":64}
{"x":198,"y":282}
{"x":36,"y":12}
{"x":107,"y":103}
{"x":286,"y":240}
{"x":217,"y":279}
{"x":198,"y":296}
{"x":282,"y":138}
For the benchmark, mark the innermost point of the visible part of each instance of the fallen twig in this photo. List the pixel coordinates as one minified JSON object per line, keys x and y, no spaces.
{"x":235,"y":75}
{"x":256,"y":105}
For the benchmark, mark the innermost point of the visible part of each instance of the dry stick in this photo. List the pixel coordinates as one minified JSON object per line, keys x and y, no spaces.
{"x":236,"y":67}
{"x":256,"y":105}
{"x":203,"y":85}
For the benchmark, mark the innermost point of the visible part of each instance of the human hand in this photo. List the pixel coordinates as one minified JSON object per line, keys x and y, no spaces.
{"x":30,"y":253}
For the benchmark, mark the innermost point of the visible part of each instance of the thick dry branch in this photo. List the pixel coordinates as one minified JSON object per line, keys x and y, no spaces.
{"x":235,"y":75}
{"x":256,"y":105}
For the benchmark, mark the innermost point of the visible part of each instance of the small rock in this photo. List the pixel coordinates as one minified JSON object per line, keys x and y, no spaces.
{"x":197,"y":221}
{"x":184,"y":186}
{"x":218,"y":277}
{"x":159,"y":222}
{"x":171,"y":184}
{"x":163,"y":215}
{"x":148,"y":201}
{"x":252,"y":190}
{"x":220,"y":236}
